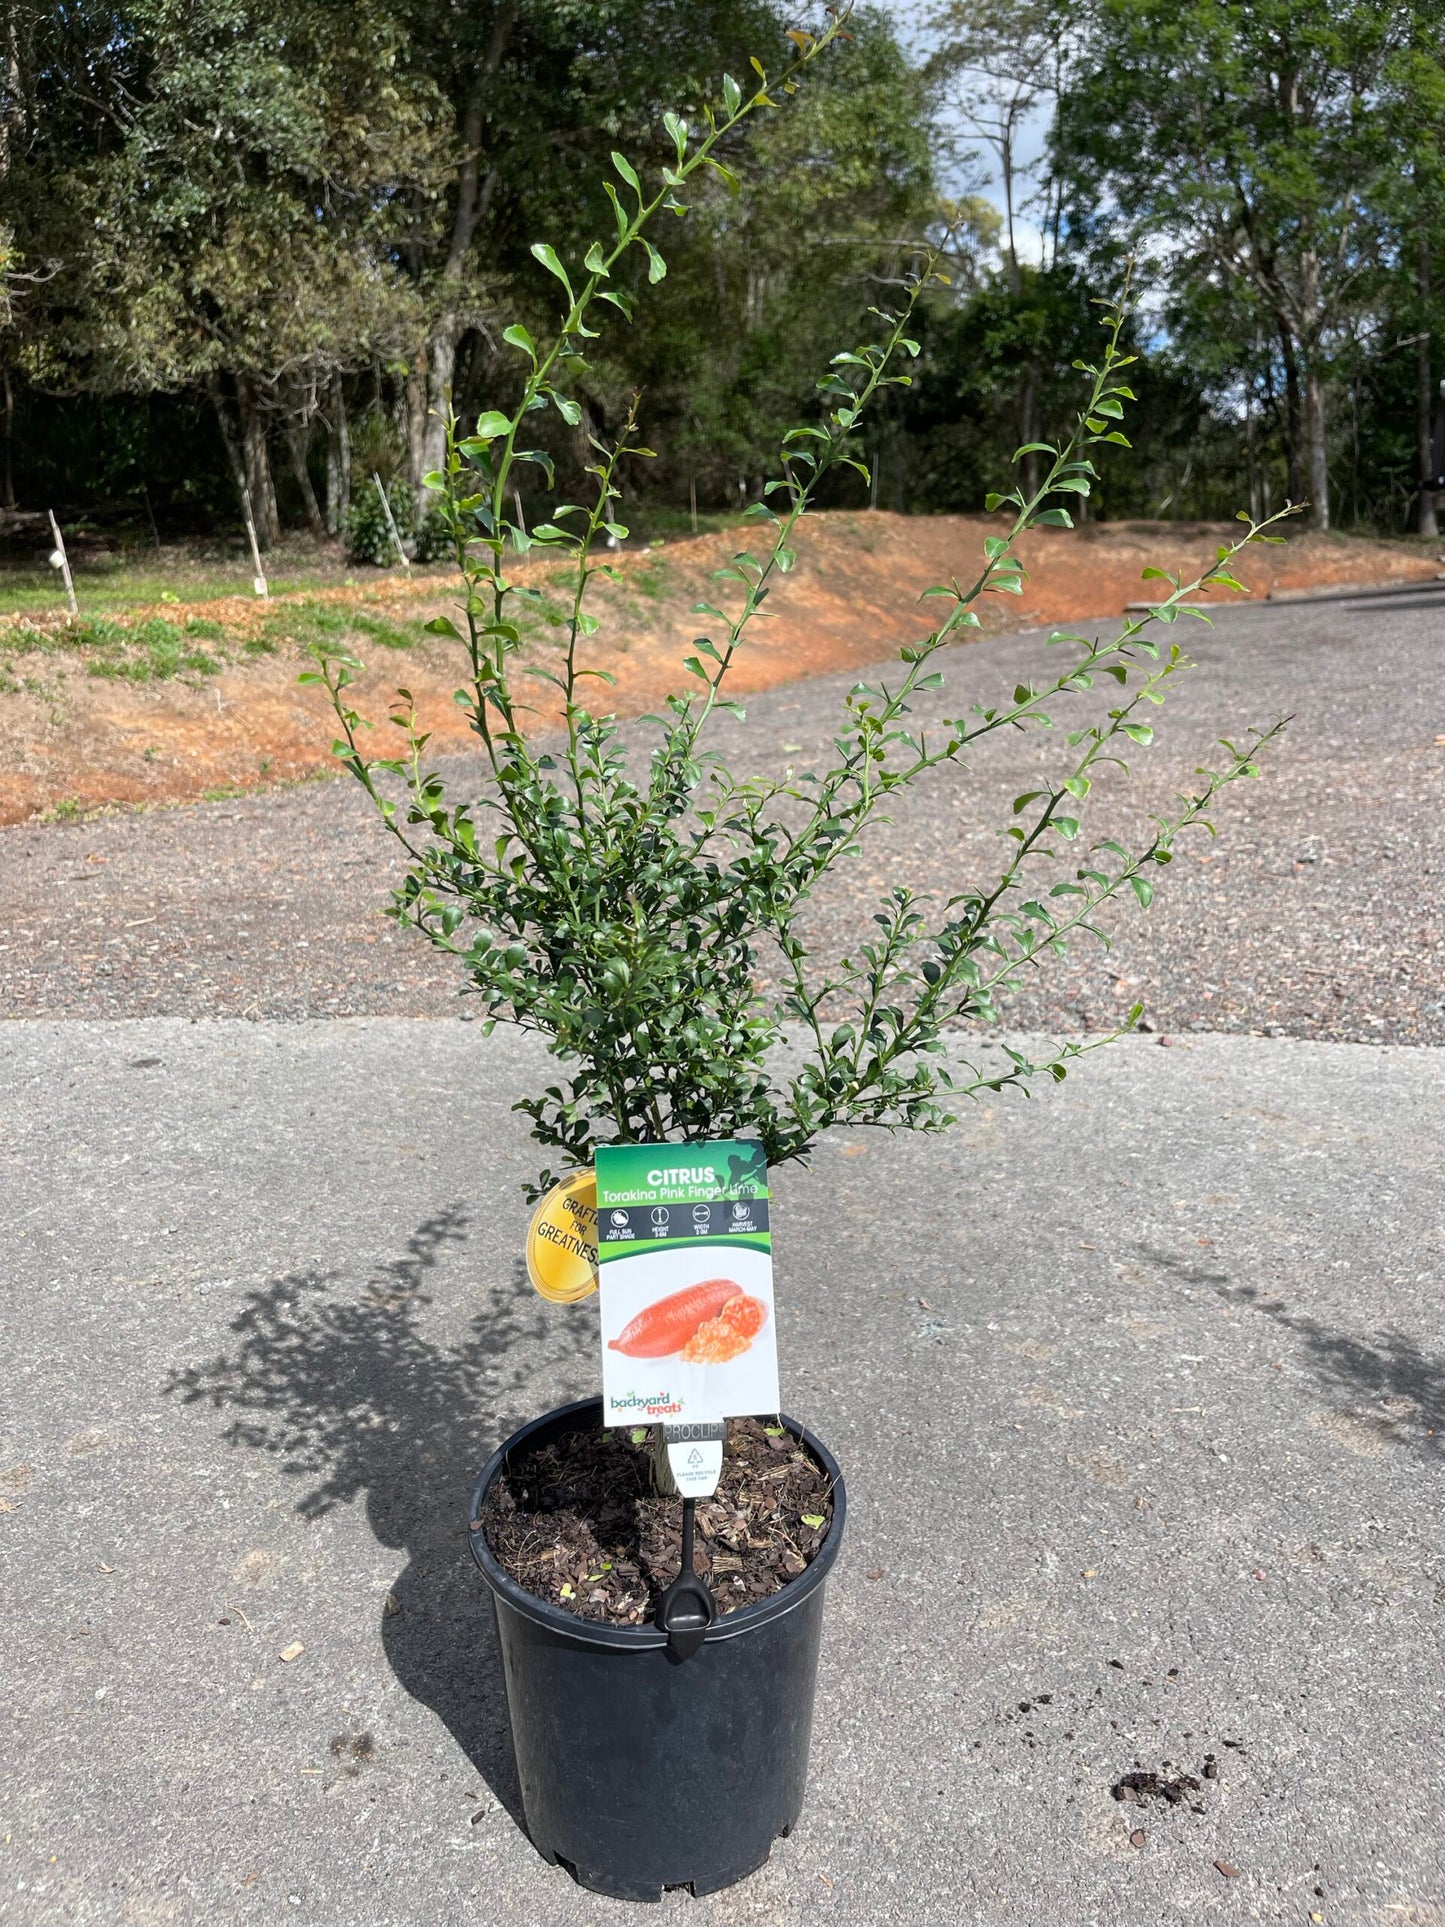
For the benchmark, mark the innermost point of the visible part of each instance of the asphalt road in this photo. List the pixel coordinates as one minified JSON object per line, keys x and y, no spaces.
{"x":1318,"y":913}
{"x":1138,"y":1388}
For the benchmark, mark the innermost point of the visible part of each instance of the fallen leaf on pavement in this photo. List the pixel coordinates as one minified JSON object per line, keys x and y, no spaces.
{"x":1230,"y":1873}
{"x":293,"y":1651}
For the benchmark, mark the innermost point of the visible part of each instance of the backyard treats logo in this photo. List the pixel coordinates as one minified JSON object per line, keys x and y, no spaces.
{"x":656,"y":1404}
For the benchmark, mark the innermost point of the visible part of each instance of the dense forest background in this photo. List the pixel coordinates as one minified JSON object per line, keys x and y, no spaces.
{"x":259,"y":246}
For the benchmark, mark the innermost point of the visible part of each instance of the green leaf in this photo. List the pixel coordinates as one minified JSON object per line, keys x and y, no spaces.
{"x":627,"y":171}
{"x":656,"y":266}
{"x":813,"y":1519}
{"x":544,"y":252}
{"x":443,"y":626}
{"x":518,"y":337}
{"x":492,"y":426}
{"x":1142,"y":889}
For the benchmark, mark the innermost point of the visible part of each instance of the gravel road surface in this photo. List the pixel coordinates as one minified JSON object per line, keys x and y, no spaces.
{"x":1318,"y":913}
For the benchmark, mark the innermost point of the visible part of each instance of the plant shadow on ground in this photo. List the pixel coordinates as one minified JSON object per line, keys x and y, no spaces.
{"x":1404,"y":1383}
{"x":353,"y":1397}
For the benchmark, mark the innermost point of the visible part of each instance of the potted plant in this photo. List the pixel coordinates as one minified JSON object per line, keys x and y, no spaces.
{"x":627,"y":912}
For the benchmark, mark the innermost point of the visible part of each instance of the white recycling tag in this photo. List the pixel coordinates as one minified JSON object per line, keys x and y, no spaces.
{"x":694,"y":1456}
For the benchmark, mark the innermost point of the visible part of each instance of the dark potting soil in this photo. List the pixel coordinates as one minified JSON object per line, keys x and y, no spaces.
{"x":577,"y":1522}
{"x":1174,"y":1789}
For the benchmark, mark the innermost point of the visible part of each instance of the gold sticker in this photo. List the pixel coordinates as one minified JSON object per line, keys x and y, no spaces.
{"x":562,"y":1241}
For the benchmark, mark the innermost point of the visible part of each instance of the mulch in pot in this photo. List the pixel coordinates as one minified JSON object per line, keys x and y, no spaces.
{"x":577,"y":1522}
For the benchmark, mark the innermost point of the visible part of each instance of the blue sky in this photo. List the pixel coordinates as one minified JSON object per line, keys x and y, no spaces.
{"x":979,"y":175}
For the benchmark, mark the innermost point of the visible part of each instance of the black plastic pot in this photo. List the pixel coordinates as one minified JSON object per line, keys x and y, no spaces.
{"x":639,"y":1770}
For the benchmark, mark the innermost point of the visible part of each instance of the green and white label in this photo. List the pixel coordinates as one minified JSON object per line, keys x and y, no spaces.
{"x":684,"y":1248}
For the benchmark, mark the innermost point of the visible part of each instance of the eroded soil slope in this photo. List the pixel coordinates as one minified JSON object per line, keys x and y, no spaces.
{"x":174,"y":703}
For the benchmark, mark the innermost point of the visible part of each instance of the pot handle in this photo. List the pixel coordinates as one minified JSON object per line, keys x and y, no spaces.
{"x":687,"y":1609}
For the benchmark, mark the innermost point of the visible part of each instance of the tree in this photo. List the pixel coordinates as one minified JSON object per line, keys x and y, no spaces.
{"x":817,"y":211}
{"x":1241,"y":143}
{"x":534,"y":94}
{"x":1000,"y":61}
{"x":1415,"y":82}
{"x":213,"y":193}
{"x":241,"y":226}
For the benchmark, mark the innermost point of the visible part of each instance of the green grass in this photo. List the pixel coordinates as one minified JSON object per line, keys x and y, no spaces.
{"x":386,"y":633}
{"x":650,"y":580}
{"x":203,"y":571}
{"x":153,"y":651}
{"x":159,"y":649}
{"x":189,"y":571}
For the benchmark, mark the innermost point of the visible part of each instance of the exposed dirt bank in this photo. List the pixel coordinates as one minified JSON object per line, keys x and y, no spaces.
{"x":77,"y":732}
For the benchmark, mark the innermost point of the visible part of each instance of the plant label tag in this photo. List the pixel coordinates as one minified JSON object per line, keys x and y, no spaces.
{"x":694,"y":1455}
{"x":685,"y":1263}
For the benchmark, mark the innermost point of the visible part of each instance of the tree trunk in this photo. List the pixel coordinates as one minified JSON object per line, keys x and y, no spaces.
{"x":228,"y":432}
{"x":414,"y":420}
{"x":1293,"y":439}
{"x":441,"y":365}
{"x":1028,"y":425}
{"x":338,"y":458}
{"x":256,"y":461}
{"x":298,"y":446}
{"x":1427,"y":518}
{"x":1319,"y":472}
{"x":431,"y":406}
{"x":9,"y":441}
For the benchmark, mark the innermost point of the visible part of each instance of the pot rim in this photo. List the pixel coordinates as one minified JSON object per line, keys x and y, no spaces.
{"x":601,"y":1632}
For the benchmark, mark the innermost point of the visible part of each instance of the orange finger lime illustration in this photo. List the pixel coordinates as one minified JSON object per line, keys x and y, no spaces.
{"x":728,"y":1335}
{"x":705,"y":1324}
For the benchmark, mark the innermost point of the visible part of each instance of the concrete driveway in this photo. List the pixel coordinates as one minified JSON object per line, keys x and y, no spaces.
{"x":1139,"y":1388}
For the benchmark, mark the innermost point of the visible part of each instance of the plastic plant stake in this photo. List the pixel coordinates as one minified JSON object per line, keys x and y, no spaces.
{"x":59,"y":560}
{"x":258,"y":580}
{"x":694,"y":1458}
{"x":390,"y":520}
{"x":687,"y":1608}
